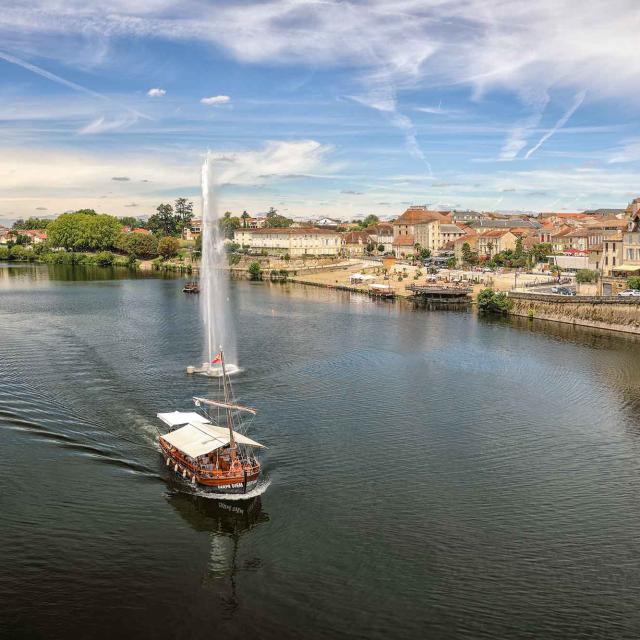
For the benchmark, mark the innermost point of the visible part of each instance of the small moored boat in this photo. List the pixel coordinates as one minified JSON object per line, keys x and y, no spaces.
{"x":191,"y":287}
{"x":215,"y":457}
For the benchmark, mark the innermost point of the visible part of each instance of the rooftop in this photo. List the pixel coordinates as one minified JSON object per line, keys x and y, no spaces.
{"x":290,"y":231}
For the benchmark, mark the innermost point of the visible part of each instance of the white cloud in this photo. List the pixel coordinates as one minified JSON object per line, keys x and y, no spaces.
{"x":215,"y":100}
{"x":156,"y":93}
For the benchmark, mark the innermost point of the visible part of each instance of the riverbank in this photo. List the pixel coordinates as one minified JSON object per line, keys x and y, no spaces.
{"x":613,"y":314}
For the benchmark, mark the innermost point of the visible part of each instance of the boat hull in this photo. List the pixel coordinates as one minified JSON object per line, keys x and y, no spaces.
{"x":224,"y":482}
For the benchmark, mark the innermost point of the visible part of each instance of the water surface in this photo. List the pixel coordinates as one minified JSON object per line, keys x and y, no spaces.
{"x":433,"y":474}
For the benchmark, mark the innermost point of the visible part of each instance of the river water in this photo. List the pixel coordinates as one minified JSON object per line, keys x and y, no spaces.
{"x":433,"y":474}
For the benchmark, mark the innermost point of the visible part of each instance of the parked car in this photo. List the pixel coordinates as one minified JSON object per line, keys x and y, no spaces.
{"x":629,"y":293}
{"x":565,"y":291}
{"x":555,"y":289}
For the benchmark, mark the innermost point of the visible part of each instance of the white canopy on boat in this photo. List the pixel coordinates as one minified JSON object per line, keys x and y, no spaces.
{"x":382,"y":287}
{"x":197,"y":439}
{"x":175,"y":418}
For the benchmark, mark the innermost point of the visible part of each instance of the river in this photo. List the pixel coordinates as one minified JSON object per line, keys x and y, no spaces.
{"x":434,"y":474}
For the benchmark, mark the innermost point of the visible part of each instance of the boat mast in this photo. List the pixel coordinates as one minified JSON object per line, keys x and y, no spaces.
{"x":227,"y":400}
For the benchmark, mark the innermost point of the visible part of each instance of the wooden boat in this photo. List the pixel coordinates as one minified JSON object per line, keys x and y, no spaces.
{"x":191,"y":287}
{"x":214,"y":457}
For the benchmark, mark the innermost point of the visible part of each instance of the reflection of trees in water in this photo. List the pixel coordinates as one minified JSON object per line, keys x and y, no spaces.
{"x":225,"y":522}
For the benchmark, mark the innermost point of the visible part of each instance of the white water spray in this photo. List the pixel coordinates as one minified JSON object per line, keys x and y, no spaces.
{"x":214,"y":288}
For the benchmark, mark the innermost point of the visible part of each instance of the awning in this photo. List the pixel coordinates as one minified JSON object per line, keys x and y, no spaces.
{"x":197,"y":439}
{"x":626,"y":267}
{"x":176,"y":418}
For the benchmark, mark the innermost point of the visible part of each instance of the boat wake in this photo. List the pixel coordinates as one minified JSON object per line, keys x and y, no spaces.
{"x":262,"y":486}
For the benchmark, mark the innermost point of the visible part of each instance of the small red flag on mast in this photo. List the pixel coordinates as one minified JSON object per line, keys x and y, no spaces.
{"x":218,"y":358}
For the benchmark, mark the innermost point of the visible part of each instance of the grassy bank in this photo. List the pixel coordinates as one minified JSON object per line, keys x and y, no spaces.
{"x":18,"y":253}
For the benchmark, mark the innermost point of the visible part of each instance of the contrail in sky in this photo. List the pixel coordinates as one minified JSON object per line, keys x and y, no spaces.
{"x":578,"y":100}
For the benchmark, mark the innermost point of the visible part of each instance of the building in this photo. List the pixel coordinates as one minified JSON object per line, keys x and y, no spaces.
{"x":290,"y":240}
{"x":381,"y":235}
{"x":467,"y":216}
{"x":471,"y":239}
{"x":417,"y":226}
{"x":194,"y":229}
{"x":496,"y":241}
{"x":450,"y":233}
{"x":355,"y":243}
{"x":36,"y":236}
{"x":508,"y":223}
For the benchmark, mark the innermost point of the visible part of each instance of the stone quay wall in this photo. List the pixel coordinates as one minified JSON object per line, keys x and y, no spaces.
{"x":613,"y":313}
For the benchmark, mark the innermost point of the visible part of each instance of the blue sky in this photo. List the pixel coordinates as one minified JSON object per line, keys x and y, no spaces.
{"x":319,"y":108}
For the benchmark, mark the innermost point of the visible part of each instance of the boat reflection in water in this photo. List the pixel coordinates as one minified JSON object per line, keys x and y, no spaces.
{"x":225,"y":522}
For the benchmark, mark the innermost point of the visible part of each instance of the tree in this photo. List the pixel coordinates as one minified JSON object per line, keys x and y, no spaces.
{"x":518,"y":251}
{"x":424,"y":254}
{"x":370,"y":248}
{"x":540,"y":251}
{"x":164,"y":222}
{"x":276,"y":221}
{"x":168,"y":247}
{"x":633,"y":282}
{"x":451,"y":263}
{"x":272,"y":212}
{"x":132,"y":222}
{"x":370,"y":220}
{"x":492,"y":302}
{"x":245,"y":216}
{"x":83,"y":231}
{"x":31,"y":223}
{"x":229,"y":224}
{"x":139,"y":245}
{"x":183,"y":212}
{"x":255,"y":271}
{"x":586,"y":275}
{"x":380,"y":248}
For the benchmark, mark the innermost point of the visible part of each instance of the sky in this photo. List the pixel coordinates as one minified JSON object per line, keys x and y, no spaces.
{"x":328,"y":108}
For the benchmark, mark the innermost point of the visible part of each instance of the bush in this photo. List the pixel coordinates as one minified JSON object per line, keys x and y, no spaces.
{"x":287,"y":257}
{"x":255,"y":271}
{"x":104,"y":259}
{"x":586,"y":275}
{"x":233,"y":259}
{"x":168,"y":246}
{"x":139,"y":245}
{"x":4,"y":253}
{"x":492,"y":302}
{"x":633,"y":282}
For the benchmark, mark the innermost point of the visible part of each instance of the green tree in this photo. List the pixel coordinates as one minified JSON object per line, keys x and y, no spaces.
{"x":492,"y":302}
{"x":140,"y":245}
{"x":132,"y":222}
{"x":164,"y":222}
{"x":519,"y":250}
{"x":424,"y":254}
{"x":586,"y":275}
{"x":451,"y":263}
{"x":31,"y":223}
{"x":370,"y":220}
{"x":255,"y":271}
{"x":380,"y":248}
{"x":168,"y":247}
{"x":183,"y":212}
{"x":272,"y":212}
{"x":540,"y":251}
{"x":276,"y":221}
{"x":633,"y":282}
{"x":229,"y":224}
{"x":83,"y":231}
{"x":245,"y":216}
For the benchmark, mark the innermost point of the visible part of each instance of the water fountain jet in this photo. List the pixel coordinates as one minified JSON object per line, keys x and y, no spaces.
{"x":214,"y":286}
